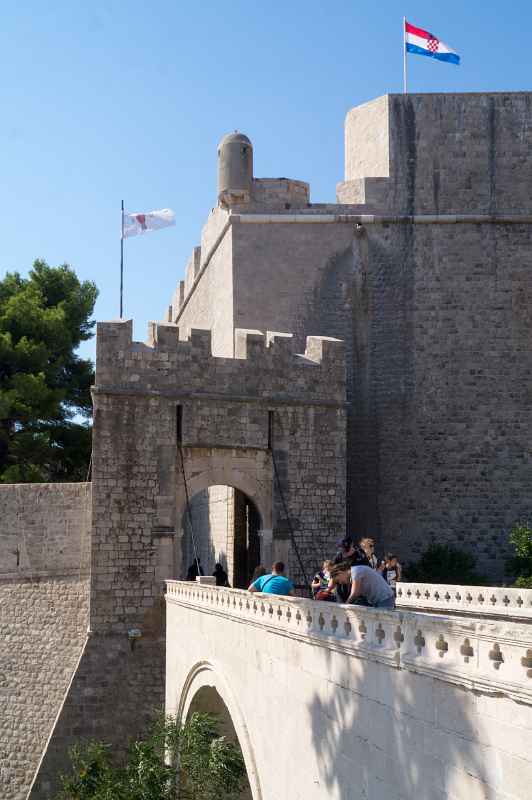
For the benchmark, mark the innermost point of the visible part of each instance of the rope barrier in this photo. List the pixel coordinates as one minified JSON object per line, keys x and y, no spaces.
{"x":283,"y":501}
{"x":187,"y":508}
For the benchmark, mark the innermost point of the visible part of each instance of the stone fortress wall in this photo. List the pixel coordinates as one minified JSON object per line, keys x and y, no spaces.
{"x":45,"y":529}
{"x":224,"y":404}
{"x":44,"y":615}
{"x":154,"y":403}
{"x":43,"y":627}
{"x":423,"y":270}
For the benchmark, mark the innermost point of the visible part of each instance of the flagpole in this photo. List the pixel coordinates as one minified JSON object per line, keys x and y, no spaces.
{"x":122,"y":264}
{"x":405,"y":87}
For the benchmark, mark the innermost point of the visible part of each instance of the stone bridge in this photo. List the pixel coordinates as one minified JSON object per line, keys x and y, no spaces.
{"x":346,"y":702}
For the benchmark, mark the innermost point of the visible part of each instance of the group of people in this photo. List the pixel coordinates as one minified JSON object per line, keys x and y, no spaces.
{"x":195,"y":569}
{"x":355,"y":575}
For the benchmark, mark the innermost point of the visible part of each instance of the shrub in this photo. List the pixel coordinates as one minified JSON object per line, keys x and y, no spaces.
{"x":519,"y":566}
{"x":210,"y":766}
{"x":444,"y":564}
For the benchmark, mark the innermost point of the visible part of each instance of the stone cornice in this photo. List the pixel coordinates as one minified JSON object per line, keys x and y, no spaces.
{"x":219,"y":397}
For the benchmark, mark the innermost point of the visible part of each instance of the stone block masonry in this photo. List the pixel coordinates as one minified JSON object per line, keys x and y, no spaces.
{"x":115,"y":692}
{"x":442,"y":408}
{"x":44,"y":529}
{"x":43,"y":626}
{"x":442,"y":153}
{"x":150,"y":398}
{"x":264,"y":366}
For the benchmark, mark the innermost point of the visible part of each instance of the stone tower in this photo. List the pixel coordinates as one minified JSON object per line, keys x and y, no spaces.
{"x":235,"y":169}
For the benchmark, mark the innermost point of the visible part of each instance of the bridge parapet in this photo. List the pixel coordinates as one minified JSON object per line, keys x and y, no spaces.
{"x":478,"y":600}
{"x":480,"y":655}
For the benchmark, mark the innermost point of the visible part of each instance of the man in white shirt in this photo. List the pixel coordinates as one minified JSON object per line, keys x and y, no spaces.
{"x":368,"y":583}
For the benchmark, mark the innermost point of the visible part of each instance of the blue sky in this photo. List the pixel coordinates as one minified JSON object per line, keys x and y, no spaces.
{"x":110,"y":100}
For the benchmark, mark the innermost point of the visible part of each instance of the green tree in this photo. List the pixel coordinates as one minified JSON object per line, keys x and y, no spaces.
{"x":45,"y":404}
{"x":520,"y":564}
{"x":210,"y":766}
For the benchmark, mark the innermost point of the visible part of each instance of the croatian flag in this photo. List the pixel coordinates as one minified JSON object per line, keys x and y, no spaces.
{"x":424,"y":43}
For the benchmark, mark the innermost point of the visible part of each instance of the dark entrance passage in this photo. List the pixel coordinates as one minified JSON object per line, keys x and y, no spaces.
{"x":225,"y":524}
{"x":246,"y":540}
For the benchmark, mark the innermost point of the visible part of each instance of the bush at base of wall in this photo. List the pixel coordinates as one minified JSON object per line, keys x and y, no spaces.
{"x":444,"y":564}
{"x":520,"y":564}
{"x":210,"y":766}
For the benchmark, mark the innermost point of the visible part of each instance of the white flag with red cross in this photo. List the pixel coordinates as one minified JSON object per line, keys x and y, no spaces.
{"x":134,"y":224}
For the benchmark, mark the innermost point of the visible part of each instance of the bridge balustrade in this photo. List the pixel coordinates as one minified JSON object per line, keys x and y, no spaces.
{"x":476,"y":654}
{"x":478,"y":600}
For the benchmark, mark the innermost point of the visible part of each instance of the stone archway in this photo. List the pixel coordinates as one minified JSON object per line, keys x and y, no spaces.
{"x":205,"y":689}
{"x":221,"y":526}
{"x":247,"y":470}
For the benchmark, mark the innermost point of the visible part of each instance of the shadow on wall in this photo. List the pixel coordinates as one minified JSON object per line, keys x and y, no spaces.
{"x":198,"y":522}
{"x":382,"y":732}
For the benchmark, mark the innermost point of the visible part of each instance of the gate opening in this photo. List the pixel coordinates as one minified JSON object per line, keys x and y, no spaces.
{"x":226,"y":526}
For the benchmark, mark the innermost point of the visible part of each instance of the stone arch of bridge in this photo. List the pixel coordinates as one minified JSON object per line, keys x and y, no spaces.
{"x":207,"y":690}
{"x":247,"y":470}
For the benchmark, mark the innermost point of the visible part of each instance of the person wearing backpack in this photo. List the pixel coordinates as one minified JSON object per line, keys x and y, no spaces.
{"x":274,"y":583}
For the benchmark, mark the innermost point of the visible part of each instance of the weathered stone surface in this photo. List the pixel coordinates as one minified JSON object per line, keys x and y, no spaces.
{"x":434,"y":315}
{"x":43,"y":625}
{"x":44,"y":529}
{"x":230,"y":411}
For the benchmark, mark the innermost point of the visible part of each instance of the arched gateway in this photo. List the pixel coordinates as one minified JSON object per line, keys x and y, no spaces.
{"x":172,"y":420}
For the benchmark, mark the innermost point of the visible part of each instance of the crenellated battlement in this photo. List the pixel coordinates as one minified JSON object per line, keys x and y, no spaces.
{"x":265,"y":365}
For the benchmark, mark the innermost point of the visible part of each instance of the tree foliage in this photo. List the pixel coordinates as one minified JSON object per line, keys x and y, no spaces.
{"x":444,"y":564}
{"x":210,"y":766}
{"x":520,"y":564}
{"x":44,"y":385}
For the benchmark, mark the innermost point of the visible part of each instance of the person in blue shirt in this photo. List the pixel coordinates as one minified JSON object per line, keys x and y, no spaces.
{"x":274,"y":583}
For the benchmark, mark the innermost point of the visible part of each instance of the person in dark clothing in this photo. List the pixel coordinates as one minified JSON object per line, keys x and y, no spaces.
{"x":349,"y":552}
{"x":221,"y":576}
{"x":194,"y":570}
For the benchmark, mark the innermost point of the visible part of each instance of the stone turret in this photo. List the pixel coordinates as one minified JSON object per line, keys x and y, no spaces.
{"x":235,"y":169}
